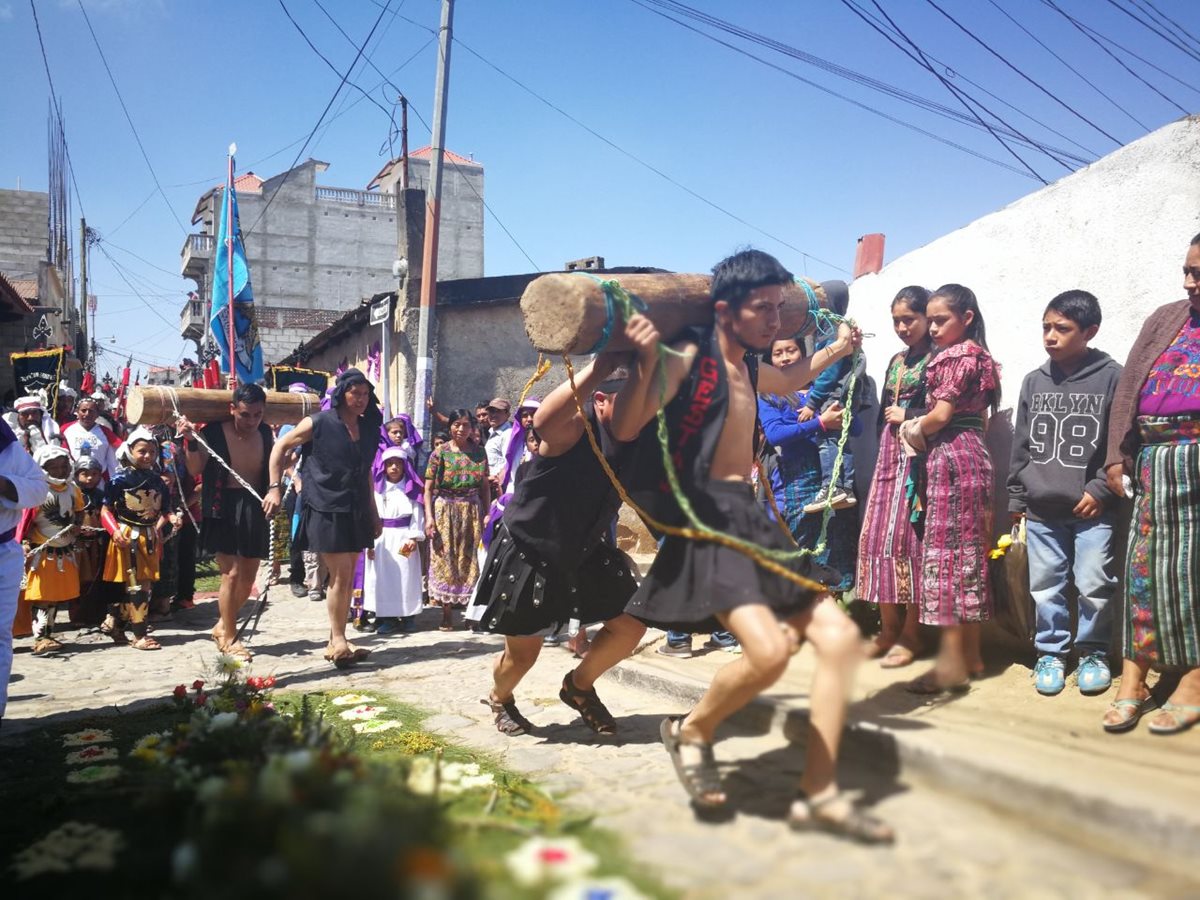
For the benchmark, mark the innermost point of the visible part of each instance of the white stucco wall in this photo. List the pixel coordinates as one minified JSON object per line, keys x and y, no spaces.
{"x":1119,"y":228}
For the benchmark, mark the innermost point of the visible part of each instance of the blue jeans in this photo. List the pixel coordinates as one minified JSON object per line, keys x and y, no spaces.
{"x":827,"y":450}
{"x":1058,"y":550}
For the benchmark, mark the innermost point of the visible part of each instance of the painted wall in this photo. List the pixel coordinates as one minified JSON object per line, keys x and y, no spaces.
{"x":1119,"y":228}
{"x":23,"y":221}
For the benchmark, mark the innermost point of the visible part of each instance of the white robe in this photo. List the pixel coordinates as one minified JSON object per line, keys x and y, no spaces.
{"x":392,"y":585}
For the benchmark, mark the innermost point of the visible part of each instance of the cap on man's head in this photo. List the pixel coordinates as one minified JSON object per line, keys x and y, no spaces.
{"x":499,"y":404}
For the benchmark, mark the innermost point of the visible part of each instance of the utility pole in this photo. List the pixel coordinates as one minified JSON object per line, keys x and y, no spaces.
{"x":403,"y":143}
{"x":83,"y":289}
{"x":427,"y":320}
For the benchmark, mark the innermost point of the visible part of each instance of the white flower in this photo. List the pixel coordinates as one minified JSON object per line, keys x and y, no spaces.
{"x":90,"y":774}
{"x":352,"y":700}
{"x":362,"y":712}
{"x":455,"y":777}
{"x":73,"y":845}
{"x":86,"y":737}
{"x":540,"y":860}
{"x":374,"y":726}
{"x":228,"y":665}
{"x":223,"y":720}
{"x":91,"y":754}
{"x":597,"y":889}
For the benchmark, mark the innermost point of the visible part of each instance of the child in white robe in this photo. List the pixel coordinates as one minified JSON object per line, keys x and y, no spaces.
{"x":392,"y":586}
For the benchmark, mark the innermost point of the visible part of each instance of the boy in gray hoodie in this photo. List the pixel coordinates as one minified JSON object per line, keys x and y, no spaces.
{"x":1056,"y":482}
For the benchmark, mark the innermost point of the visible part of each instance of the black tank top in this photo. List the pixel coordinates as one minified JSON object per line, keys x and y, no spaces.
{"x":563,"y":505}
{"x":335,"y":469}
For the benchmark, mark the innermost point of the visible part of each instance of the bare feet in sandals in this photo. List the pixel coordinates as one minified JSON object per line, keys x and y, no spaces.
{"x":146,"y":643}
{"x":897,"y":657}
{"x":832,"y":812}
{"x":695,"y":765}
{"x":878,"y":646}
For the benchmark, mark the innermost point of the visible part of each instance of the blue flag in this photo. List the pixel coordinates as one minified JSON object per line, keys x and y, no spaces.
{"x":231,"y":255}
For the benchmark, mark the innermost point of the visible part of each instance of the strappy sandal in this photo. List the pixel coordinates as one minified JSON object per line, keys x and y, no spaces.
{"x":1131,"y":710}
{"x":341,"y":659}
{"x":701,"y":780}
{"x":856,"y":824}
{"x":360,"y":653}
{"x":146,"y":643}
{"x":897,"y":657}
{"x":237,"y":650}
{"x":587,"y":703}
{"x":1182,"y":718}
{"x":507,"y":717}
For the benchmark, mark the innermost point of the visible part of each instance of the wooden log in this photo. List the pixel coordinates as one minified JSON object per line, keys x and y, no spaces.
{"x":565,"y":312}
{"x":155,"y":405}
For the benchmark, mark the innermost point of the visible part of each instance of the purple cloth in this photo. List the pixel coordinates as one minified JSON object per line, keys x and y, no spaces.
{"x":398,"y":522}
{"x":6,"y":436}
{"x":1171,"y":388}
{"x":412,"y":484}
{"x":512,"y":457}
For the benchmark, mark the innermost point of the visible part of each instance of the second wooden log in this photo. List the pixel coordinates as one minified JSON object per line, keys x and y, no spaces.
{"x":155,"y":405}
{"x":566,"y":312}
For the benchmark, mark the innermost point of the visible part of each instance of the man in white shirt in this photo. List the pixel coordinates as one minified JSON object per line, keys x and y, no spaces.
{"x":22,"y":485}
{"x":501,"y":429}
{"x":85,"y":434}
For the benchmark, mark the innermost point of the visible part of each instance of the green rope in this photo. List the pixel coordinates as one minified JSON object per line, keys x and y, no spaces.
{"x":626,"y":307}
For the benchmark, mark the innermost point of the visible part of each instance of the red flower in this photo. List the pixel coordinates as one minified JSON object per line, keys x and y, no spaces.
{"x":201,"y":699}
{"x":269,"y":682}
{"x":254,"y":683}
{"x":197,"y":684}
{"x":180,"y":691}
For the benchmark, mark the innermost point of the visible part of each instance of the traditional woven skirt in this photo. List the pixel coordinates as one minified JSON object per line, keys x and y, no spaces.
{"x":1162,"y":572}
{"x":889,"y":549}
{"x":54,"y":577}
{"x":691,"y":582}
{"x":958,"y":531}
{"x":454,"y":568}
{"x":141,"y":557}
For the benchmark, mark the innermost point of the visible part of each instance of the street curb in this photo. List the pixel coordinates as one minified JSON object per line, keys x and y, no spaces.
{"x":1073,"y":814}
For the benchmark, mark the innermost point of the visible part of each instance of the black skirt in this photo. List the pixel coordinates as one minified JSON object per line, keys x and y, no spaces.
{"x":241,"y":530}
{"x":691,"y":581}
{"x":522,"y":593}
{"x":334,"y":532}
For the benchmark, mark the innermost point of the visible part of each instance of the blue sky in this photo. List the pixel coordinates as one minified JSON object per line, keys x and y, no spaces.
{"x":813,"y":171}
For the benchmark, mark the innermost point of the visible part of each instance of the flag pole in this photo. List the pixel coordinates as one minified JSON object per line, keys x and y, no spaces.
{"x":229,"y":265}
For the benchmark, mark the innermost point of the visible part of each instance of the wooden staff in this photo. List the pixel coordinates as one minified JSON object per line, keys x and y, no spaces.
{"x":155,"y":405}
{"x":566,"y":312}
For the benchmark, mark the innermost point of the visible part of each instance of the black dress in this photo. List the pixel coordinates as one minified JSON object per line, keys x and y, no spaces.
{"x":337,"y":500}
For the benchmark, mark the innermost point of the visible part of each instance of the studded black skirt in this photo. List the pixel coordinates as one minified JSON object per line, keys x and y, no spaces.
{"x":523,"y":594}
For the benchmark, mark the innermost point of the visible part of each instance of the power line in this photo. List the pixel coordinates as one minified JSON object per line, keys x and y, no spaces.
{"x":1157,"y":68}
{"x":1157,"y":32}
{"x":923,"y":61}
{"x":969,"y":33}
{"x":57,"y":107}
{"x":641,"y":162}
{"x":1093,"y":37}
{"x":140,"y":258}
{"x":320,"y":119}
{"x":1173,"y":23}
{"x":121,"y":273}
{"x":1082,"y":77}
{"x":129,"y":118}
{"x":955,"y":114}
{"x":921,"y":102}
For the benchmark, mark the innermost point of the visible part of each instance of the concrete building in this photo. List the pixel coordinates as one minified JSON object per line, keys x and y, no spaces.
{"x":1118,"y":228}
{"x":316,"y":252}
{"x":23,"y":235}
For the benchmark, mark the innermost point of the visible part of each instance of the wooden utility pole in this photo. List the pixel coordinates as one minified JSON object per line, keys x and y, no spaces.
{"x":427,"y":320}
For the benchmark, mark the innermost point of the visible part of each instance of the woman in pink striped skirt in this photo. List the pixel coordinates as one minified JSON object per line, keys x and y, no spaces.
{"x":890,"y":551}
{"x":962,"y":382}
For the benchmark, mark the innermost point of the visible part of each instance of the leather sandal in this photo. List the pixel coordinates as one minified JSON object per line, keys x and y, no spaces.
{"x":701,"y":779}
{"x":1131,"y":710}
{"x":507,"y":717}
{"x":856,"y":824}
{"x":587,"y":703}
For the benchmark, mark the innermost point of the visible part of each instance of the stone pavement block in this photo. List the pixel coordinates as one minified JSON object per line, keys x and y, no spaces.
{"x":448,"y":723}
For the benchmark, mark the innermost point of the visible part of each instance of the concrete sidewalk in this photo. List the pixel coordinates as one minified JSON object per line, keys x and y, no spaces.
{"x":1002,"y":744}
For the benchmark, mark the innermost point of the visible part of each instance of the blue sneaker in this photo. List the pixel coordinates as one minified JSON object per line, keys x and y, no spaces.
{"x":1049,"y":675}
{"x":723,"y":640}
{"x":1093,"y":674}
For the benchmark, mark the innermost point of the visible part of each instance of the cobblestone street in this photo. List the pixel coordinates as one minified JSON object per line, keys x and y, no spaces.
{"x":949,"y":845}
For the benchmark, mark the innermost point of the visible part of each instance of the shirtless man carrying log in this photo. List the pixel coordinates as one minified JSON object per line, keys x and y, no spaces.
{"x":698,"y":586}
{"x":234,"y":526}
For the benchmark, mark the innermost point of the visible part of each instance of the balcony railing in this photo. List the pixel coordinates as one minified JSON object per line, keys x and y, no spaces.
{"x":191,"y":320}
{"x":196,"y":247}
{"x":357,"y":198}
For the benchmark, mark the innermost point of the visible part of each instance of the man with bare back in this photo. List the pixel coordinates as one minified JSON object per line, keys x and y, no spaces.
{"x":234,"y":526}
{"x":709,"y":399}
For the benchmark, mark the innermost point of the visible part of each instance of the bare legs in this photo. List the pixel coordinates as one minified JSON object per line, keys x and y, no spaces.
{"x":237,"y":580}
{"x":959,"y":657}
{"x":616,"y":640}
{"x":899,"y":628}
{"x":337,"y":597}
{"x":517,"y":658}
